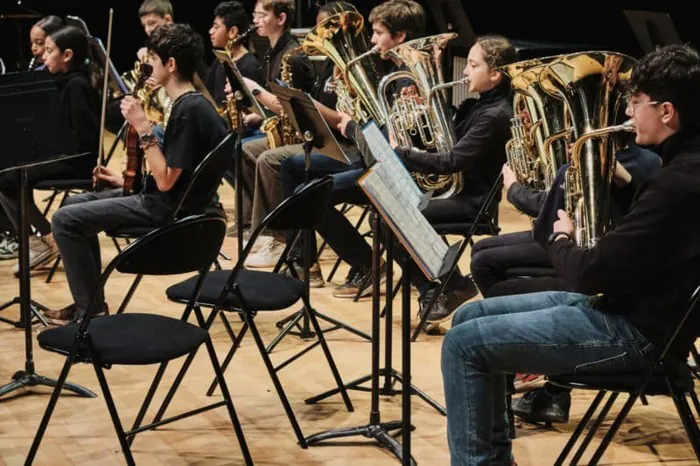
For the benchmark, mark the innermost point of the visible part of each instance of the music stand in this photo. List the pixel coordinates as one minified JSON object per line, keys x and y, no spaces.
{"x":245,"y":101}
{"x":35,"y":130}
{"x":652,"y":29}
{"x":306,"y":119}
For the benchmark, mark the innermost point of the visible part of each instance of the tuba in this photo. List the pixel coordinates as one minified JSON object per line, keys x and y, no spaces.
{"x":592,"y":85}
{"x":342,"y":39}
{"x":420,"y":117}
{"x":536,"y":150}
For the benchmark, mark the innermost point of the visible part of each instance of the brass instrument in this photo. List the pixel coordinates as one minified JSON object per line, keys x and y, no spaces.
{"x":592,"y":85}
{"x":540,"y":120}
{"x":420,"y":117}
{"x":279,"y":129}
{"x":155,"y":100}
{"x":228,"y":110}
{"x":342,"y":39}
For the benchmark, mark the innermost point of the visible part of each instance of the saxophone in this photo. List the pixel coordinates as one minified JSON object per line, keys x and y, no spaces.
{"x":279,"y":129}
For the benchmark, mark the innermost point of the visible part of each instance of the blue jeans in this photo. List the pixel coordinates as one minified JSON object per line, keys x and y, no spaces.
{"x":537,"y":333}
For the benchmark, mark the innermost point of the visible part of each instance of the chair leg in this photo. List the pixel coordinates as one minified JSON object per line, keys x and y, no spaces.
{"x":130,"y":294}
{"x":229,"y":403}
{"x":49,"y":410}
{"x":598,"y":454}
{"x":229,"y":356}
{"x":579,"y":428}
{"x":594,"y":428}
{"x":327,"y":352}
{"x":113,"y":413}
{"x":276,"y":381}
{"x":54,"y":267}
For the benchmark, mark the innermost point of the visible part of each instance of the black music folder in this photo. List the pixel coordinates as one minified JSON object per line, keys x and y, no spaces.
{"x":304,"y":115}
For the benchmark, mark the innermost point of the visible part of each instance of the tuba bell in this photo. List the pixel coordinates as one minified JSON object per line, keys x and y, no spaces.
{"x":592,"y":85}
{"x":420,"y":117}
{"x":536,"y":150}
{"x":342,"y":39}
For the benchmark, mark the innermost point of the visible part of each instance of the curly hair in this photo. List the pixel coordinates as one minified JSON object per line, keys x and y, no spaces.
{"x":180,"y":42}
{"x":671,"y":74}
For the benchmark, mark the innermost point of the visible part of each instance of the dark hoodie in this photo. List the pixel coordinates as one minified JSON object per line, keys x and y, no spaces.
{"x":650,"y":264}
{"x":80,"y":104}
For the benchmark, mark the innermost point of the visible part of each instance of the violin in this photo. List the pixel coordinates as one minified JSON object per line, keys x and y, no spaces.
{"x":134,"y":171}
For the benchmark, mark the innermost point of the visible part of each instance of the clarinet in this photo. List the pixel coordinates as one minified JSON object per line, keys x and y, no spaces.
{"x":32,"y":64}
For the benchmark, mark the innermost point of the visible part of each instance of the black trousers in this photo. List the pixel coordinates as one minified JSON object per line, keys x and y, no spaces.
{"x":9,"y":191}
{"x":492,"y":258}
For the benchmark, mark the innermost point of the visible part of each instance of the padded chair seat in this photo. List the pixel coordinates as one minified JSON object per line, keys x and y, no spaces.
{"x":64,"y":184}
{"x":463,"y":229}
{"x":681,"y":378}
{"x":131,"y":232}
{"x":530,"y":272}
{"x":130,"y":338}
{"x":262,"y":291}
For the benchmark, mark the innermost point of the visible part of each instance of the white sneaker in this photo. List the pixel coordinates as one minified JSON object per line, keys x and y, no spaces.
{"x":9,"y":249}
{"x":42,"y":249}
{"x":267,"y":256}
{"x":259,"y":244}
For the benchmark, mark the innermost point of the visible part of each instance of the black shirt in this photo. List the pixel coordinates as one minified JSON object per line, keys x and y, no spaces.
{"x":193,"y":130}
{"x":81,"y":105}
{"x":302,"y":72}
{"x":249,"y":67}
{"x":649,"y":265}
{"x":482,"y":131}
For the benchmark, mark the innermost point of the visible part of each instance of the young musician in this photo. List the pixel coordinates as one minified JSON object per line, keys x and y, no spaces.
{"x":645,"y":270}
{"x":268,"y":187}
{"x":194,"y":129}
{"x":37,"y":37}
{"x":274,"y":21}
{"x":230,"y":21}
{"x":393,"y":23}
{"x":65,"y":53}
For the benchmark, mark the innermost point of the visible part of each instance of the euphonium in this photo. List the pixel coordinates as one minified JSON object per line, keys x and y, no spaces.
{"x":420,"y":117}
{"x":342,"y":39}
{"x":592,"y":84}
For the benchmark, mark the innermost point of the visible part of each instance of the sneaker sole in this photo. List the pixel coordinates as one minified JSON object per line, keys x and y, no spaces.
{"x":41,"y":260}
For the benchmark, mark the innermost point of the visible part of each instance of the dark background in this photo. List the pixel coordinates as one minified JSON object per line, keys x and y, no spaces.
{"x":587,"y":24}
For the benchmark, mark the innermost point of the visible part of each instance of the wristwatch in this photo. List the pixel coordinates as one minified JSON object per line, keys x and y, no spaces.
{"x":147,"y":140}
{"x":556,"y":234}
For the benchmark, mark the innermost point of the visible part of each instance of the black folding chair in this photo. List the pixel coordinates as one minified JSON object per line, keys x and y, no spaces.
{"x":665,"y":376}
{"x":249,"y":292}
{"x":144,"y":339}
{"x":213,"y":164}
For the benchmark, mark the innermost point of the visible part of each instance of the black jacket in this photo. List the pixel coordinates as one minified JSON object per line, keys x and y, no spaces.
{"x":482,"y":131}
{"x":648,"y":266}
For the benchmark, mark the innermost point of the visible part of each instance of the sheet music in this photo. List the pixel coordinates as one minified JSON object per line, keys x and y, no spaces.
{"x":397,"y":175}
{"x":407,"y":222}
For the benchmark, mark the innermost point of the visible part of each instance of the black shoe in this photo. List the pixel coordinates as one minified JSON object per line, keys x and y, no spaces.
{"x":540,"y":406}
{"x":456,"y":298}
{"x":439,"y":312}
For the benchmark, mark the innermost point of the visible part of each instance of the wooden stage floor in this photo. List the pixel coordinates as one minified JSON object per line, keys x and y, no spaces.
{"x":81,"y":431}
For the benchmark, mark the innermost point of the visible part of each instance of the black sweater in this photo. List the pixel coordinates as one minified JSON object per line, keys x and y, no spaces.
{"x":649,"y":265}
{"x":483,"y":128}
{"x":80,"y":104}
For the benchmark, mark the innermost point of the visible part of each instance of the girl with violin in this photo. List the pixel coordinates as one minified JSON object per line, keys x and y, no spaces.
{"x":65,"y":54}
{"x":193,"y":130}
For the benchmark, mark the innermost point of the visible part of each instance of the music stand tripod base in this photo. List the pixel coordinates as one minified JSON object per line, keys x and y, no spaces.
{"x":36,"y":310}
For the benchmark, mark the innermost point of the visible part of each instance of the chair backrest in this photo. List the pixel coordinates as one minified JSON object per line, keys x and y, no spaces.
{"x":210,"y":170}
{"x":183,"y":246}
{"x":692,"y":308}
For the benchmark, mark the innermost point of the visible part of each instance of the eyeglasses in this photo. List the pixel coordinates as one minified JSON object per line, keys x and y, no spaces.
{"x":633,"y":105}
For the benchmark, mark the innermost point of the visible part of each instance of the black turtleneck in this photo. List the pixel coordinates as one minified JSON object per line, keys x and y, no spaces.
{"x":648,"y":266}
{"x":482,"y":130}
{"x":81,"y":106}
